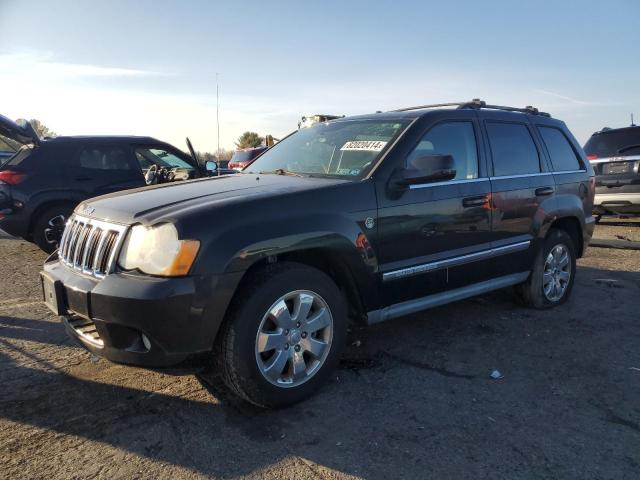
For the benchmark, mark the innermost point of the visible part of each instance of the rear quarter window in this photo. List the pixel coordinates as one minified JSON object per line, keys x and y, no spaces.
{"x":563,"y":156}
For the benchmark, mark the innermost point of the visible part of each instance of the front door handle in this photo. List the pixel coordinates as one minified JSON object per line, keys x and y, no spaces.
{"x":82,"y":179}
{"x":475,"y":201}
{"x":544,"y":191}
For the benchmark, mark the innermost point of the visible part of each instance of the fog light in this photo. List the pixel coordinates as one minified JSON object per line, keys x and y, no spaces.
{"x":146,"y":342}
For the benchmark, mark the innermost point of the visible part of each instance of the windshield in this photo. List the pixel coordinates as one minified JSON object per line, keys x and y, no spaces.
{"x":160,"y":157}
{"x":625,"y":141}
{"x":347,"y":148}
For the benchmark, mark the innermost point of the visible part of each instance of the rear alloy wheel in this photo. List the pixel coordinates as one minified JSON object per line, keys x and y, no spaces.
{"x":557,"y":273}
{"x":282,"y":339}
{"x":552,"y":276}
{"x":48,"y":228}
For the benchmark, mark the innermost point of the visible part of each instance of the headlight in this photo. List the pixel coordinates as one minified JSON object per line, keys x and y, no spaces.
{"x":158,"y":251}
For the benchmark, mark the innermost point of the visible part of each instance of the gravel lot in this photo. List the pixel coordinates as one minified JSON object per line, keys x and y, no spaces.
{"x":413,"y":399}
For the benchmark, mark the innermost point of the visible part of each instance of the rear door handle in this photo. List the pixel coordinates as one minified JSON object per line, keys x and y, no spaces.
{"x":475,"y":201}
{"x":544,"y":191}
{"x":82,"y":179}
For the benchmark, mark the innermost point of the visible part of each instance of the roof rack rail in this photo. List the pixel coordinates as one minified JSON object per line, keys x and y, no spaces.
{"x":476,"y":103}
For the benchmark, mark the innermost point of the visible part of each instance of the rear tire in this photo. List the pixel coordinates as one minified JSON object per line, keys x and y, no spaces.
{"x":553,"y":273}
{"x":48,"y":227}
{"x":282,"y":342}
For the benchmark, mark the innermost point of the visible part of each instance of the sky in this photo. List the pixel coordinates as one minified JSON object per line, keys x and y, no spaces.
{"x":149,"y":67}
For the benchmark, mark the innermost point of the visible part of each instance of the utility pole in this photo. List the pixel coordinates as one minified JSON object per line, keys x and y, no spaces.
{"x":218,"y":114}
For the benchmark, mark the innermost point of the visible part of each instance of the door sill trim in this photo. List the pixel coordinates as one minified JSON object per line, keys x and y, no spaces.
{"x":442,"y":298}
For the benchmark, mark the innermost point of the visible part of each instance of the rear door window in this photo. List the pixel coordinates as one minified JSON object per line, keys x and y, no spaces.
{"x":512,"y":149}
{"x":109,"y":163}
{"x":105,"y":158}
{"x":563,"y":156}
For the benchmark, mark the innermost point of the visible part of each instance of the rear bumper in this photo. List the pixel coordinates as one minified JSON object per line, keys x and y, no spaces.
{"x":135,"y":319}
{"x":617,"y":202}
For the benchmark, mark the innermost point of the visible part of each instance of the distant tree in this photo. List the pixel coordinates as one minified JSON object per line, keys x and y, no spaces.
{"x":206,"y":156}
{"x":224,"y":154}
{"x":41,"y":129}
{"x":249,"y":140}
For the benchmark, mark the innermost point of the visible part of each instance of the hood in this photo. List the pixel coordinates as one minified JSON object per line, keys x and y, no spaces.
{"x":20,"y":133}
{"x":170,"y":201}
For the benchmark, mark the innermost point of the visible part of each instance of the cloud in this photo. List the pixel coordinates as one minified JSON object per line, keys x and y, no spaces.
{"x":562,"y":97}
{"x":42,"y":64}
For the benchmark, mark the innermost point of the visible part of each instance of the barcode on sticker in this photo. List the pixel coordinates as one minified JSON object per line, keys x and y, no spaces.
{"x":364,"y":145}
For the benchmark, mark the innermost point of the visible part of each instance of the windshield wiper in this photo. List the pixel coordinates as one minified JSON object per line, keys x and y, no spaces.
{"x":282,"y":171}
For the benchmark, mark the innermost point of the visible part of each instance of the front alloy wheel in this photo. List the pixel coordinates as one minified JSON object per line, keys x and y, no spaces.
{"x":294,"y":338}
{"x":283,"y":334}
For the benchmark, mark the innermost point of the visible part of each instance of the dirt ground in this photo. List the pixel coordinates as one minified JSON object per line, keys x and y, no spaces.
{"x":413,"y":398}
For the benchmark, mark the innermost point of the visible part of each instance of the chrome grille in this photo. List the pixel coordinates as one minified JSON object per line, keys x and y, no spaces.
{"x":91,"y":246}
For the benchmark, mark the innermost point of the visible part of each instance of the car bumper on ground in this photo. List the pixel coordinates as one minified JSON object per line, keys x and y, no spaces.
{"x":132,"y":319}
{"x":617,"y":202}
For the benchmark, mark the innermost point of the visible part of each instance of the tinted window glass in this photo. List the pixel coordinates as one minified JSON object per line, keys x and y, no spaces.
{"x":453,"y":138}
{"x":104,"y":158}
{"x":563,"y":157}
{"x":513,"y":150}
{"x":625,"y":141}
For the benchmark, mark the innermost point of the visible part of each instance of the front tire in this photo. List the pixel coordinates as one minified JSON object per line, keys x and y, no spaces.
{"x":282,"y":342}
{"x":553,"y":273}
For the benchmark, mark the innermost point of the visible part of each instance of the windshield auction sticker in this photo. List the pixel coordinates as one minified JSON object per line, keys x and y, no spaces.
{"x":364,"y":145}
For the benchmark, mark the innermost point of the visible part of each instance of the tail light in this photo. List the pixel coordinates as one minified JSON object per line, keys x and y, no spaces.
{"x":12,"y":177}
{"x":592,"y":157}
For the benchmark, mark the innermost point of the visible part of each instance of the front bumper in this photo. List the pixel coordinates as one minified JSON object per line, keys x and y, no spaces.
{"x":134,"y":319}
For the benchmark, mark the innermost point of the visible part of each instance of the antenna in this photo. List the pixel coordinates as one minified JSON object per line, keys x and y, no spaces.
{"x":218,"y":114}
{"x":632,"y":124}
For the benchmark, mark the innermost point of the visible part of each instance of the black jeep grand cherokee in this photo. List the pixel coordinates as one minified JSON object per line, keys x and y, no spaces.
{"x":366,"y":218}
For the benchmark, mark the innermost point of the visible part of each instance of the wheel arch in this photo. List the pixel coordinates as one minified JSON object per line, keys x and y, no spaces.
{"x":571,"y":225}
{"x":334,"y":264}
{"x":42,"y":207}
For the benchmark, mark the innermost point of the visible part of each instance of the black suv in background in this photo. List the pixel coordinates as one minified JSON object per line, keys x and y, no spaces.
{"x":365,"y":218}
{"x":41,"y":184}
{"x":614,"y":154}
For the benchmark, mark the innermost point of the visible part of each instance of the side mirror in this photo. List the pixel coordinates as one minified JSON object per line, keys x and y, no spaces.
{"x":211,"y":166}
{"x":427,"y":169}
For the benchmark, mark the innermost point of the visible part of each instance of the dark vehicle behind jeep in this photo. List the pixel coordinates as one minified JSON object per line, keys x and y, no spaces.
{"x":242,"y":158}
{"x":361,"y":219}
{"x":41,"y":184}
{"x":614,"y":154}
